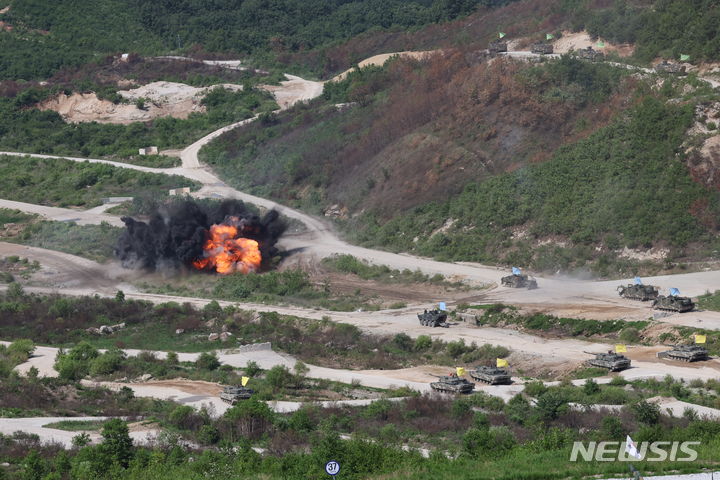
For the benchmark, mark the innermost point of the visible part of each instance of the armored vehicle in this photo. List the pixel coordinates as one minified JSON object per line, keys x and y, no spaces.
{"x":433,"y":318}
{"x":542,"y":48}
{"x":638,"y":292}
{"x":233,"y":394}
{"x":612,"y":361}
{"x":519,"y":281}
{"x":669,"y":67}
{"x":497,"y":46}
{"x":452,"y":384}
{"x":491,"y":375}
{"x":673,"y":303}
{"x":685,"y":353}
{"x":590,"y":54}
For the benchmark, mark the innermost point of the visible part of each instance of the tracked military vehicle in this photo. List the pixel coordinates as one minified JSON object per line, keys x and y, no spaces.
{"x":234,"y":394}
{"x":497,"y":46}
{"x":685,"y":353}
{"x":638,"y":292}
{"x":519,"y":281}
{"x":491,"y":375}
{"x":612,"y":361}
{"x":673,"y":303}
{"x":669,"y":67}
{"x":452,"y":384}
{"x":433,"y":318}
{"x":590,"y":54}
{"x":541,"y":48}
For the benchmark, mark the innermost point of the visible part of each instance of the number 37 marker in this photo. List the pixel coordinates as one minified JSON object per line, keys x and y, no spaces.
{"x":332,"y":468}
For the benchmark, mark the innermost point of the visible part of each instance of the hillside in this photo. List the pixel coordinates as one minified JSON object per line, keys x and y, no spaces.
{"x":563,"y":165}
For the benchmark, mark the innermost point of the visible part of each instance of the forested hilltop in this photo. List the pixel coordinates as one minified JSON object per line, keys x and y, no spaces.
{"x":46,"y":36}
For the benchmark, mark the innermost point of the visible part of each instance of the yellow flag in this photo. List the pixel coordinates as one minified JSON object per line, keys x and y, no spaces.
{"x":460,"y":371}
{"x":620,"y":348}
{"x":700,"y":338}
{"x":501,"y":362}
{"x":245,"y":380}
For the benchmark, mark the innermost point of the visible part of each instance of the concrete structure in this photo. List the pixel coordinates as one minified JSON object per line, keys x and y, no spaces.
{"x":179,"y":191}
{"x":148,"y":151}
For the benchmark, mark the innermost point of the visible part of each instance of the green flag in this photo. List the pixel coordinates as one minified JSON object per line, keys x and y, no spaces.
{"x":549,"y":36}
{"x":600,"y":44}
{"x":501,"y":35}
{"x":684,"y":58}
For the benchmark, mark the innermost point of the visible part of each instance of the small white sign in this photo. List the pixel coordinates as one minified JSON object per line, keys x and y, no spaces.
{"x":332,"y":468}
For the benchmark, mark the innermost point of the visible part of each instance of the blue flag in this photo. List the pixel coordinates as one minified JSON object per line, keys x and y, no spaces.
{"x":442,"y":306}
{"x":638,"y":281}
{"x":674,"y":292}
{"x":516,"y":271}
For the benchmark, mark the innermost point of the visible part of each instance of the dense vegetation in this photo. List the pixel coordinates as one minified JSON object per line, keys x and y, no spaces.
{"x":66,"y":183}
{"x":666,"y":28}
{"x":47,"y":37}
{"x":35,"y":131}
{"x":498,"y":442}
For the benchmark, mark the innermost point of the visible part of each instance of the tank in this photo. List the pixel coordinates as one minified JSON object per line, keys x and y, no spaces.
{"x":638,"y":292}
{"x":433,"y":318}
{"x":669,"y":67}
{"x":519,"y":281}
{"x":673,"y":303}
{"x":685,"y":353}
{"x":452,"y":384}
{"x":233,"y":394}
{"x":541,"y":48}
{"x":612,"y":361}
{"x":590,"y":54}
{"x":491,"y":375}
{"x":497,"y":46}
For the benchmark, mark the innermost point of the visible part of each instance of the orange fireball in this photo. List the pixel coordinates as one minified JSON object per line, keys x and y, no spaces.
{"x":226,"y":254}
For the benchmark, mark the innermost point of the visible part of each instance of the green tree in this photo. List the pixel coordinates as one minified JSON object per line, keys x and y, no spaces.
{"x":117,"y":443}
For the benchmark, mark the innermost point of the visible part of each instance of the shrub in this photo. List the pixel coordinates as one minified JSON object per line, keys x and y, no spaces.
{"x":207,"y":361}
{"x":647,"y":413}
{"x":422,"y":343}
{"x":590,"y":387}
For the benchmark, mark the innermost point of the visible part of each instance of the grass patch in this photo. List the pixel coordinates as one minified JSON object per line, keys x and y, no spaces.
{"x":77,"y":425}
{"x":65,"y":183}
{"x":502,"y":315}
{"x":273,"y":287}
{"x":14,"y":216}
{"x":710,"y":301}
{"x":94,"y":242}
{"x":383,"y":273}
{"x":13,"y":266}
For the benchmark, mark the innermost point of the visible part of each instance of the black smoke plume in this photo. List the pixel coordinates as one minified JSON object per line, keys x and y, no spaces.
{"x":174,"y":235}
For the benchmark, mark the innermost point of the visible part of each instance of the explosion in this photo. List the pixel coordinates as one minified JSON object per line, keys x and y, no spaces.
{"x":224,"y":237}
{"x":224,"y":252}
